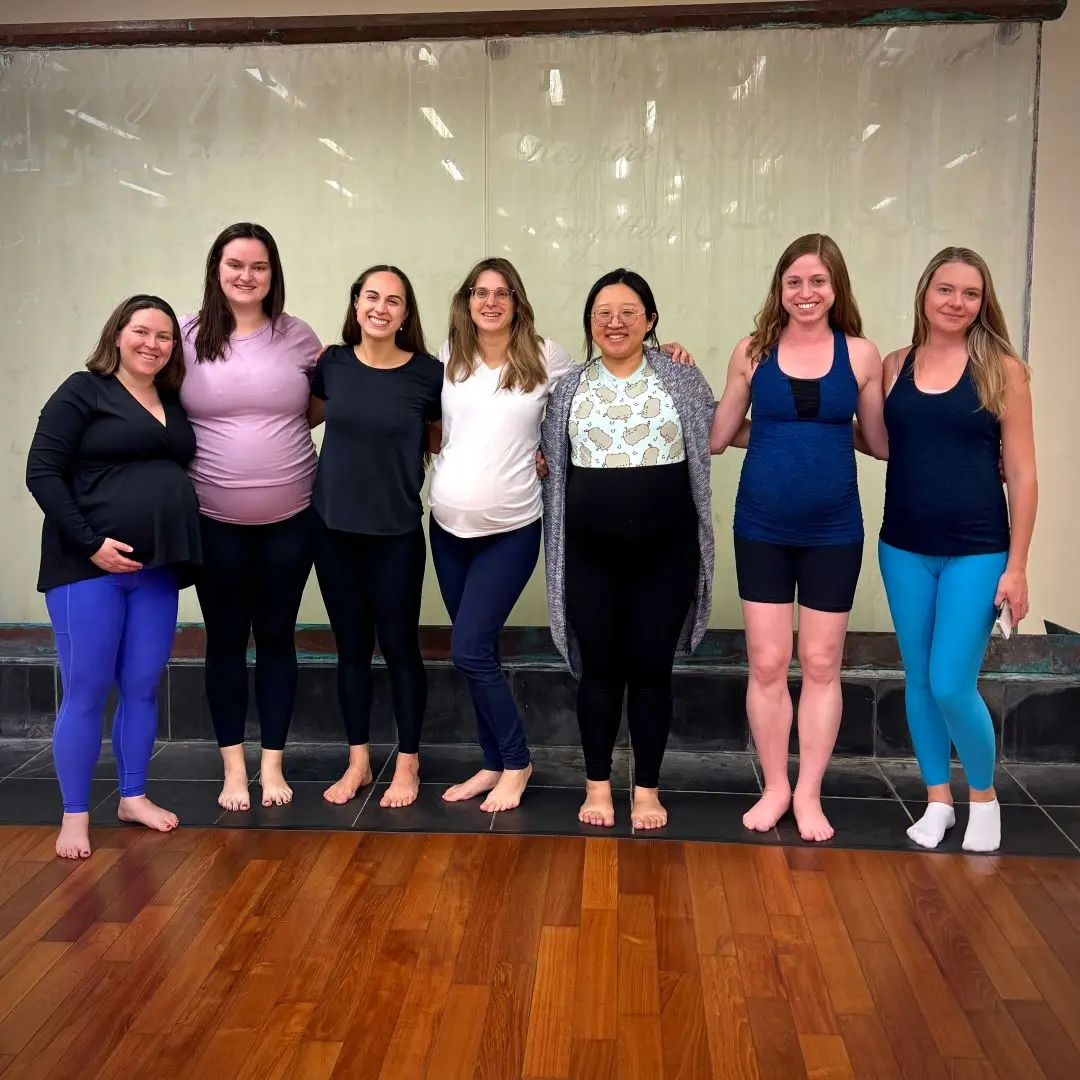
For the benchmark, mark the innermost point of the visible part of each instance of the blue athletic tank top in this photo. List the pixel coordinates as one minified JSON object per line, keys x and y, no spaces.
{"x":798,"y":484}
{"x":943,"y":491}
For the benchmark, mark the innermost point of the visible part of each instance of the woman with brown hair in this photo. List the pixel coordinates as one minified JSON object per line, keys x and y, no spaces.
{"x":249,"y":367}
{"x":485,"y":501}
{"x":806,"y":371}
{"x":107,"y":465}
{"x":378,"y":392}
{"x":953,"y":548}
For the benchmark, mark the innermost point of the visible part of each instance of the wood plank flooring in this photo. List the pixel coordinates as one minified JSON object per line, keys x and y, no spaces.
{"x":274,"y":955}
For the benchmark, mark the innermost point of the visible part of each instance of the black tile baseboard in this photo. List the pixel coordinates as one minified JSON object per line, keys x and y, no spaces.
{"x":1034,"y":715}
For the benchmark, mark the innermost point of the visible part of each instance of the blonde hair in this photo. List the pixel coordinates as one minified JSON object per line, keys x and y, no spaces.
{"x":772,"y":318}
{"x":987,"y":338}
{"x":524,"y":368}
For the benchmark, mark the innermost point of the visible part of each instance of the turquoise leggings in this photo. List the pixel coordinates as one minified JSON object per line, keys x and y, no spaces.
{"x":943,"y":610}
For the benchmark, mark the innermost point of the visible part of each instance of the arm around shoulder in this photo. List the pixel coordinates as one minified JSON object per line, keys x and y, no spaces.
{"x":871,"y":436}
{"x":307,"y":343}
{"x":558,"y":360}
{"x":728,"y":426}
{"x":316,"y":410}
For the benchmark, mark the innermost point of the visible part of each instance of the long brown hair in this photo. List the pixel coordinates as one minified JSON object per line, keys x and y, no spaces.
{"x":105,"y":358}
{"x":524,"y":368}
{"x":987,"y":338}
{"x":410,"y":335}
{"x":772,"y":318}
{"x":215,"y":321}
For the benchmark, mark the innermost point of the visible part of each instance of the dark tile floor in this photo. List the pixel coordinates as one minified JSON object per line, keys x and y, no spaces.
{"x":870,"y":802}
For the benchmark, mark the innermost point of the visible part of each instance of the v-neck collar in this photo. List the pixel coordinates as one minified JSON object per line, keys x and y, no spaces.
{"x":164,"y":423}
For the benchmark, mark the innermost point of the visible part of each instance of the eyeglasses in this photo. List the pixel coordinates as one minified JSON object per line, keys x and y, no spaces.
{"x":627,"y":316}
{"x":501,"y":295}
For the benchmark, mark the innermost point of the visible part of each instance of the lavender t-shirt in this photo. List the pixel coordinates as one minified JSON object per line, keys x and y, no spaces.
{"x":254,"y":459}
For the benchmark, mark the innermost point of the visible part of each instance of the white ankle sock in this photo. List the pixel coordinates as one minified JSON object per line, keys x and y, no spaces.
{"x":931,"y":828}
{"x":983,"y":831}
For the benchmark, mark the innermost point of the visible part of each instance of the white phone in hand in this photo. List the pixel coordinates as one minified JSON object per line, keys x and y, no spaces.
{"x":1003,"y":624}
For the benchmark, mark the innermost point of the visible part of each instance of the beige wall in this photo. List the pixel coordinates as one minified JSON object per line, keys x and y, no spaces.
{"x":1055,"y":584}
{"x":1054,"y":571}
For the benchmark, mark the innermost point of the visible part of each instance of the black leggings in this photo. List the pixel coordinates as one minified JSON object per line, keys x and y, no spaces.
{"x":627,"y":600}
{"x":372,"y":585}
{"x":251,"y":584}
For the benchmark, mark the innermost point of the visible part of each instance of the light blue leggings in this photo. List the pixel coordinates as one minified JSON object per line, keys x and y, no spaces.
{"x":112,"y":630}
{"x":943,"y":611}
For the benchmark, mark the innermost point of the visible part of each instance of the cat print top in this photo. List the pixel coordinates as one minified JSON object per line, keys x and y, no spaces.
{"x":618,"y":423}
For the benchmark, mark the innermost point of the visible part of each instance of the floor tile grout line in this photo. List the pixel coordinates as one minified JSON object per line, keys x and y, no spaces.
{"x":375,"y":783}
{"x":1068,"y":838}
{"x":18,"y":768}
{"x":1019,"y":783}
{"x":892,"y":787}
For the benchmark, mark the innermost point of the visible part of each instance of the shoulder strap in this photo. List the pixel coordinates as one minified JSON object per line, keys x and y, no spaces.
{"x":904,"y":366}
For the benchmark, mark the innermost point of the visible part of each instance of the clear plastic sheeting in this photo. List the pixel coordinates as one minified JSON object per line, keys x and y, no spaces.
{"x":693,"y":158}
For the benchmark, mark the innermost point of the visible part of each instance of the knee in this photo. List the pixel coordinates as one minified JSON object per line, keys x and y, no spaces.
{"x":819,"y":665}
{"x":472,"y":652}
{"x":953,"y":693}
{"x":769,"y":666}
{"x":276,"y":633}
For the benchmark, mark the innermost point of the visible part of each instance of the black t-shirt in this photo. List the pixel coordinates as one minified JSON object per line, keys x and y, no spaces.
{"x":101,"y":465}
{"x":371,"y":467}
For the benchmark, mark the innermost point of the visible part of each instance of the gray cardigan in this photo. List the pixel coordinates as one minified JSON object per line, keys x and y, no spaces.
{"x":696,"y":406}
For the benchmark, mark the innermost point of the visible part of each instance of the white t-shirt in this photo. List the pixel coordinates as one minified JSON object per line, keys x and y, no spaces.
{"x":484,"y":481}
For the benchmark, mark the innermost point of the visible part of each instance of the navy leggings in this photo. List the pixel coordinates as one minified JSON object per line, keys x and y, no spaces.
{"x":481,"y":579}
{"x":113,"y":630}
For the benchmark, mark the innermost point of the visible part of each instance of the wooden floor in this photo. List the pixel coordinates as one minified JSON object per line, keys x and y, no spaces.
{"x":273,"y":955}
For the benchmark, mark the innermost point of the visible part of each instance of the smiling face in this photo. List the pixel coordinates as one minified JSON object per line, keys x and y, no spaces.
{"x":491,"y":303}
{"x":806,"y":291}
{"x":380,"y":306}
{"x":619,"y":322}
{"x":953,"y":298}
{"x":244,"y":272}
{"x":145,"y":344}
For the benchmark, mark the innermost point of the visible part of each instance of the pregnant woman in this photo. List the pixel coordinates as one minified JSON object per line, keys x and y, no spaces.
{"x":107,"y":466}
{"x":246,"y":392}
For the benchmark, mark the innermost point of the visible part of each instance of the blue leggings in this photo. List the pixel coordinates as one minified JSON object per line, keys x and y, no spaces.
{"x":116,"y":629}
{"x":943,"y":611}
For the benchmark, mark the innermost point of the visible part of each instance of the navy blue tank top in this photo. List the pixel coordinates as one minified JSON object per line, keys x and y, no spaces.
{"x":943,"y":491}
{"x":798,"y":484}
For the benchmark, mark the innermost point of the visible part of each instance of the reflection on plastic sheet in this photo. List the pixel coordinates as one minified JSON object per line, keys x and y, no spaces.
{"x":692,"y":157}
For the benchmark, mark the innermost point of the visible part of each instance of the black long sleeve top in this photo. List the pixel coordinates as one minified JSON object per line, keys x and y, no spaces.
{"x":102,"y":465}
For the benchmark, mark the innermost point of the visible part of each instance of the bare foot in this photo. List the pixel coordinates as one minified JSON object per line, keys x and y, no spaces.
{"x":139,"y":810}
{"x":234,"y":792}
{"x":74,"y":839}
{"x":478,"y":784}
{"x":598,"y":808}
{"x":405,"y":786}
{"x":768,"y":810}
{"x":347,"y":787}
{"x":506,"y":794}
{"x":275,"y":791}
{"x":646,"y":811}
{"x":813,"y":824}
